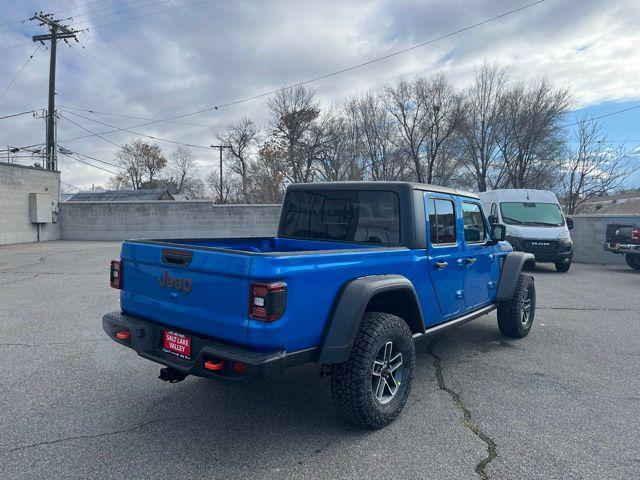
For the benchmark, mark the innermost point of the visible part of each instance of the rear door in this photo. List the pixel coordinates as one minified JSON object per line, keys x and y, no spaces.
{"x":477,"y":257}
{"x":445,"y":265}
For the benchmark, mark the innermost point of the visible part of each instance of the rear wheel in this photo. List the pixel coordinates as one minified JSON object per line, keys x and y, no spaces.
{"x":372,"y":386}
{"x":515,"y":317}
{"x":632,"y":260}
{"x":563,"y":267}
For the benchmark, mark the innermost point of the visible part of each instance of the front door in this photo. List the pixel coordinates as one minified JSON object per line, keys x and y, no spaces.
{"x":445,"y":267}
{"x":477,"y":257}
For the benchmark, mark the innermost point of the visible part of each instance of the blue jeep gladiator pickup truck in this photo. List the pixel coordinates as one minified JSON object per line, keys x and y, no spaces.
{"x":355,"y":273}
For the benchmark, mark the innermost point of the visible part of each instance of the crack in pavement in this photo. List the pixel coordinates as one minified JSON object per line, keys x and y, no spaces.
{"x":492,"y":449}
{"x":98,"y":435}
{"x":11,"y":282}
{"x":73,"y":342}
{"x":587,"y":309}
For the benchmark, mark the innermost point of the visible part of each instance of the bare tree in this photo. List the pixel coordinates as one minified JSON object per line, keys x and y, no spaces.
{"x":339,"y":156}
{"x":482,"y":107}
{"x":530,"y":139}
{"x":294,"y":112}
{"x":376,"y":130}
{"x":593,"y":168}
{"x":183,"y":169}
{"x":269,"y":173}
{"x":409,"y":105}
{"x":240,"y":138}
{"x":443,"y":118}
{"x":427,"y":113}
{"x":140,"y":163}
{"x":230,"y":186}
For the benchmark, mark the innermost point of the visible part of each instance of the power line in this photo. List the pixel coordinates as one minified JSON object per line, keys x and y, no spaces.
{"x":20,"y":71}
{"x":92,"y":132}
{"x":87,"y":163}
{"x":616,"y":112}
{"x":153,"y":13}
{"x":153,"y":137}
{"x":18,"y":114}
{"x":95,"y":112}
{"x":88,"y":22}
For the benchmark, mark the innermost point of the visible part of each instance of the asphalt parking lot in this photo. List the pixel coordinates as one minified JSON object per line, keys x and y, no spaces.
{"x":562,"y":403}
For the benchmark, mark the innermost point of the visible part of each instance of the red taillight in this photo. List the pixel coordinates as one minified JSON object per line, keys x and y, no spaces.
{"x":635,"y":234}
{"x":267,"y":301}
{"x":115,"y":276}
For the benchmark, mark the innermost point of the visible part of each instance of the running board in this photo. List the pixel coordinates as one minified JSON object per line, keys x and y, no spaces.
{"x":458,"y":321}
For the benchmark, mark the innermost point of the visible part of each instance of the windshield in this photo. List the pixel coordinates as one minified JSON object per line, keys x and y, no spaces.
{"x":532,"y":214}
{"x":342,"y":215}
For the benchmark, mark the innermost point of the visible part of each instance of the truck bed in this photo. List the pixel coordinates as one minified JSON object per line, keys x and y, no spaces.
{"x":219,"y":273}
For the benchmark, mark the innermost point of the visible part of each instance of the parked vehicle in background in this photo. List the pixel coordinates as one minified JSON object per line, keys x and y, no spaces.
{"x":356,"y":272}
{"x":624,"y":239}
{"x":535,"y":223}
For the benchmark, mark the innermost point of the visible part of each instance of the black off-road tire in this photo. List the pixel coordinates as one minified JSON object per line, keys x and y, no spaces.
{"x":563,"y":267}
{"x":352,"y":382}
{"x":511,"y":320}
{"x":632,"y":260}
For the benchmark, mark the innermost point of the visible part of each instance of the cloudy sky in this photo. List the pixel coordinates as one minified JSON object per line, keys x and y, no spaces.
{"x":141,"y":60}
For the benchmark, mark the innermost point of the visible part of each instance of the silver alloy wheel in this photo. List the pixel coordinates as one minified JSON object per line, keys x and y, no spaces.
{"x":526,"y":309}
{"x":386,"y":376}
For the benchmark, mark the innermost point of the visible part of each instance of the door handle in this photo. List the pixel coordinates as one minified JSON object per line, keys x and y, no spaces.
{"x":441,"y":265}
{"x":471,"y":260}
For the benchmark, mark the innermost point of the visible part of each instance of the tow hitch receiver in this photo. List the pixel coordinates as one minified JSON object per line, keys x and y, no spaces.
{"x":171,"y":375}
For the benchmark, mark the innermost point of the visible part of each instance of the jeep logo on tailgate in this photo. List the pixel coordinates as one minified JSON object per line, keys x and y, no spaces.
{"x":175,"y":283}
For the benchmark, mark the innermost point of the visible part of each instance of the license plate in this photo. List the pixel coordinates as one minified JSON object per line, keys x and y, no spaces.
{"x":177,"y":344}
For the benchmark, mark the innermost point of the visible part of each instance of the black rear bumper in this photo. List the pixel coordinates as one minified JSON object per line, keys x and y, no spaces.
{"x":146,"y":339}
{"x":623,"y":248}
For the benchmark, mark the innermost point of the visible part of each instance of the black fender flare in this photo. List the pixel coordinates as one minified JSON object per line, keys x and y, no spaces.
{"x":344,"y":322}
{"x":511,"y":269}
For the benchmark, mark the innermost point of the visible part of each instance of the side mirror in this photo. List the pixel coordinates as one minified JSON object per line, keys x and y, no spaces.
{"x":492,"y":219}
{"x":498,"y":232}
{"x":569,"y":223}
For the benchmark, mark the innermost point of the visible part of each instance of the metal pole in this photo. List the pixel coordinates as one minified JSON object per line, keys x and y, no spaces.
{"x":220,"y":147}
{"x":51,"y":143}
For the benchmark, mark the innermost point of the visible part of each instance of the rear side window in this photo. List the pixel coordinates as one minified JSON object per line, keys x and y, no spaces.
{"x":343,"y":215}
{"x":442,"y":222}
{"x":475,"y":229}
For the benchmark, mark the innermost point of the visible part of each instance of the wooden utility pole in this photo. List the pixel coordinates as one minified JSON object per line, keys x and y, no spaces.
{"x":57,"y":31}
{"x":220,"y":147}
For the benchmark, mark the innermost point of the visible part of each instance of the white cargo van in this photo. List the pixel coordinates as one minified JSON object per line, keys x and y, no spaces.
{"x":535,"y":223}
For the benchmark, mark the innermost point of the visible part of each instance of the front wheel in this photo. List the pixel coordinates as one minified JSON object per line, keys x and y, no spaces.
{"x":515,"y":316}
{"x":632,"y":260}
{"x":563,"y":267}
{"x":372,"y":386}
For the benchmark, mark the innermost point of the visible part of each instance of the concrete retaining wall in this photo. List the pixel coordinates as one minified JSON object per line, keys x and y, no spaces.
{"x":588,"y":235}
{"x":16,"y":183}
{"x":165,"y":219}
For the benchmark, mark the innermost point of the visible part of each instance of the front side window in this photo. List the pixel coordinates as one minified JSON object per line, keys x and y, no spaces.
{"x":343,"y":215}
{"x":475,"y":230}
{"x":442,"y":222}
{"x":532,"y":213}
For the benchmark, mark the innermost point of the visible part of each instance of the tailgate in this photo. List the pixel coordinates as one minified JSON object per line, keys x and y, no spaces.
{"x":618,"y":233}
{"x":195,"y":290}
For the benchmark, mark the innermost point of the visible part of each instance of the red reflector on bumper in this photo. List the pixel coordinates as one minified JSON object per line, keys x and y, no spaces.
{"x":214,"y":365}
{"x":239,"y":367}
{"x":123,"y":335}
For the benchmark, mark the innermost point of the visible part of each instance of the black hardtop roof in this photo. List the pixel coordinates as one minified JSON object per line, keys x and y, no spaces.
{"x":380,"y":186}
